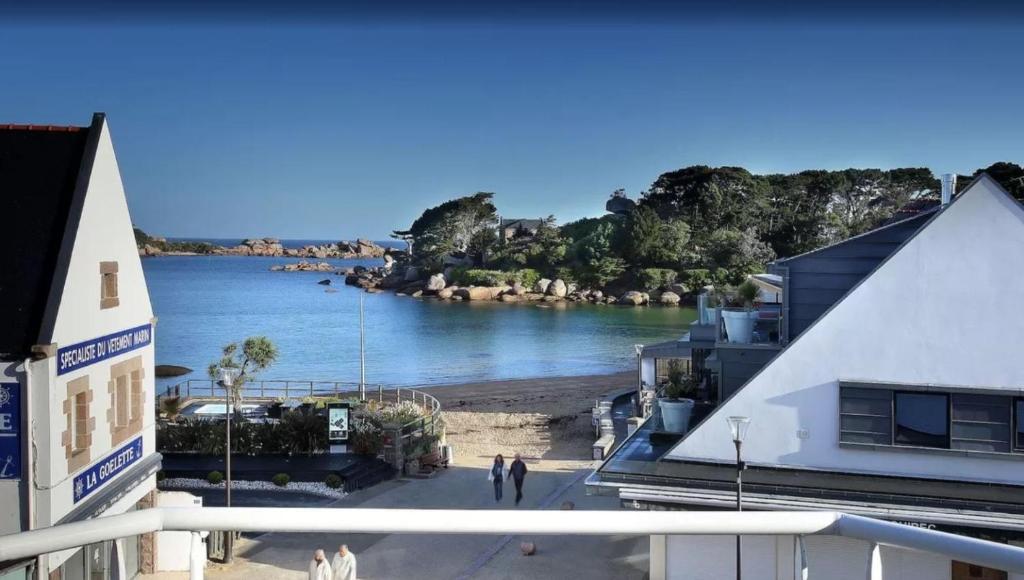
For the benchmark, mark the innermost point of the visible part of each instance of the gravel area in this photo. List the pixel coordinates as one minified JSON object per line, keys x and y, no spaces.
{"x":547,"y":420}
{"x":309,"y":487}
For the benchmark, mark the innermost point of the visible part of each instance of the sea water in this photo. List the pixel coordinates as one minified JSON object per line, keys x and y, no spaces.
{"x":205,"y":302}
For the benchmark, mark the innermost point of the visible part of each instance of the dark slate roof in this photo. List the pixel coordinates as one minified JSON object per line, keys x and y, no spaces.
{"x":529,"y":224}
{"x":39,"y":175}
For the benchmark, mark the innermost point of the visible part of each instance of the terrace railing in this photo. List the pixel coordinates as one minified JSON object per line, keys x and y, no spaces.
{"x":298,"y":391}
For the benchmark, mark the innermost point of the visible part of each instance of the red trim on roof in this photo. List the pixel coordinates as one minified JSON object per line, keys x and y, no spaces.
{"x":50,"y":128}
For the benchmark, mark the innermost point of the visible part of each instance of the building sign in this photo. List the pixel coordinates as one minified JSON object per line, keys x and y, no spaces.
{"x":10,"y":431}
{"x":93,"y":478}
{"x":83,"y":354}
{"x":337,"y":422}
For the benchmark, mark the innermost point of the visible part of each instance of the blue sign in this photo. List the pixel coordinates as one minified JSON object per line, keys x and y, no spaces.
{"x":83,"y":354}
{"x":10,"y":431}
{"x":93,"y":478}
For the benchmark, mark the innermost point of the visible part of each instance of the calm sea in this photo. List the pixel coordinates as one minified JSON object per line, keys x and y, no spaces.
{"x":204,"y":302}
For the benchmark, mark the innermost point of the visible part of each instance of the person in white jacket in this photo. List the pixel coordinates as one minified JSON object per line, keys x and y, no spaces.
{"x":498,"y":474}
{"x":319,"y":568}
{"x":344,"y":564}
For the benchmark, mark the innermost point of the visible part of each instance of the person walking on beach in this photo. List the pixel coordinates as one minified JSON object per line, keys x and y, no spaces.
{"x":319,"y":568}
{"x":518,"y":471}
{"x":498,"y":474}
{"x":344,"y":564}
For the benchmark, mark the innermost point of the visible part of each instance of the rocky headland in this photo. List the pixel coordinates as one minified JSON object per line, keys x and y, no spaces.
{"x":409,"y":281}
{"x":269,"y":247}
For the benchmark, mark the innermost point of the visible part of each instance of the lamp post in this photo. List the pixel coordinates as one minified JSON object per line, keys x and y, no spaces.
{"x":227,"y":380}
{"x":639,"y":380}
{"x":362,"y":352}
{"x":738,"y":426}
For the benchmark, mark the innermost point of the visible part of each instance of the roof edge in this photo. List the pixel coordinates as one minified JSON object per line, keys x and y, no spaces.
{"x":67,"y":245}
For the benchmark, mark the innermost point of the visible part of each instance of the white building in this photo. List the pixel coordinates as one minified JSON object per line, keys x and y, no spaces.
{"x":76,"y":349}
{"x":904,"y":401}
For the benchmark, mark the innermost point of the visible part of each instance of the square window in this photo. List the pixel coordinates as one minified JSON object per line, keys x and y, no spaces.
{"x":108,"y":285}
{"x":121,"y":401}
{"x":922,"y":420}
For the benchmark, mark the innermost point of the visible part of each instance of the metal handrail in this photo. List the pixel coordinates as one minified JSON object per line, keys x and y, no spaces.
{"x":412,"y":521}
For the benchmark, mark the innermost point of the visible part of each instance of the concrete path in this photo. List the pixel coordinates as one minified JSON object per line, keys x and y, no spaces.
{"x":460,"y":557}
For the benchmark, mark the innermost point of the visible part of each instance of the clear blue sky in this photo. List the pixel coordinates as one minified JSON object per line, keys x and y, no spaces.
{"x":336,"y":131}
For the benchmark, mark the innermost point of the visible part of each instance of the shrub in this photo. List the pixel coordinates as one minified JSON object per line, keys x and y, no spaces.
{"x":527,"y":277}
{"x":654,"y":278}
{"x":215,"y":478}
{"x":696,"y":278}
{"x":333,"y":481}
{"x":479,"y":277}
{"x":281,"y":479}
{"x":366,"y":437}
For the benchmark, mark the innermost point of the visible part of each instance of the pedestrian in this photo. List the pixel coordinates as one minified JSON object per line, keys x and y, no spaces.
{"x":498,"y":474}
{"x":343,"y":566}
{"x":319,"y":568}
{"x":518,"y":471}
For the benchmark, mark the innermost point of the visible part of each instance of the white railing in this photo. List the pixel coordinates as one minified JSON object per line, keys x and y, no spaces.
{"x":501,"y":522}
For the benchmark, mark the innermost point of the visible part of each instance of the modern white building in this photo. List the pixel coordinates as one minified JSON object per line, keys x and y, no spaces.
{"x":901,"y":399}
{"x":76,"y":349}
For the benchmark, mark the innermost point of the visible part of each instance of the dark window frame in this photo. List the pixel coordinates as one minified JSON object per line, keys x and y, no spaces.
{"x":1014,"y":447}
{"x":949,"y":417}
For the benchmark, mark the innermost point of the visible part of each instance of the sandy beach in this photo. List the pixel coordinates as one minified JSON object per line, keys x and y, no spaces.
{"x":547,"y":420}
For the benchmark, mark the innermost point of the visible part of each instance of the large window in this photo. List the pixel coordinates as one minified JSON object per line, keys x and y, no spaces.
{"x":957,"y":420}
{"x":921,"y":420}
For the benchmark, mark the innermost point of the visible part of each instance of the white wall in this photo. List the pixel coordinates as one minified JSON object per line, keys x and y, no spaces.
{"x":104,"y":234}
{"x":771,"y":558}
{"x":173,"y":548}
{"x":937,"y":312}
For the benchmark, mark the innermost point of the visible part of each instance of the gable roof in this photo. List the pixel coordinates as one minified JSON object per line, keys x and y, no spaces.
{"x":996,"y":192}
{"x":529,"y":224}
{"x":43,"y":174}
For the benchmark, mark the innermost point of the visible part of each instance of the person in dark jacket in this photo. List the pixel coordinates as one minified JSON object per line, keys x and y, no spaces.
{"x":518,"y":472}
{"x":498,"y":474}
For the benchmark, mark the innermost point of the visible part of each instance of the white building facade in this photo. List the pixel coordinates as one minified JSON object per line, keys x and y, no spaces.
{"x":904,"y":402}
{"x":79,"y":357}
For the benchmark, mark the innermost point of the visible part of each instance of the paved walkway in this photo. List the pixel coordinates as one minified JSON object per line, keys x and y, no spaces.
{"x":427,"y":557}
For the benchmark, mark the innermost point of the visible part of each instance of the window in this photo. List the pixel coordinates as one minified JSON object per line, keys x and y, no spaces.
{"x":121,"y":401}
{"x":865,"y":416}
{"x":137,"y":403}
{"x":921,"y":419}
{"x":80,"y":422}
{"x":980,"y":423}
{"x":1018,"y":420}
{"x":108,"y":285}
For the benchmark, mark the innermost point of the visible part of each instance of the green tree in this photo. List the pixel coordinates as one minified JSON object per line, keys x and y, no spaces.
{"x":255,"y":354}
{"x":1009,"y":175}
{"x":594,"y":258}
{"x":455,"y":227}
{"x":650,"y":240}
{"x":709,"y":198}
{"x":739,"y":253}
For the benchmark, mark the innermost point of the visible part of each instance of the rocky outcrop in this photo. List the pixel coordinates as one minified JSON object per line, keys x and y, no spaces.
{"x":669,"y":298}
{"x":258,"y":247}
{"x":558,"y":289}
{"x":541,"y":287}
{"x":303,"y":266}
{"x":436,"y":283}
{"x":632,"y":298}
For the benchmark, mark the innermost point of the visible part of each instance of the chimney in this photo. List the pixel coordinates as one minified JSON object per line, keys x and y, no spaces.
{"x":948,"y":187}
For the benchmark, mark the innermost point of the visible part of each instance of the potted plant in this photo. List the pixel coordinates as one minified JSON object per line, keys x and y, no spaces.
{"x":677,"y":403}
{"x":739,"y":320}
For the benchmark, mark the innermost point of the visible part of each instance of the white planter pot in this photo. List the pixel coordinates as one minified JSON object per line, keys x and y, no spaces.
{"x":675,"y":414}
{"x":739,"y":325}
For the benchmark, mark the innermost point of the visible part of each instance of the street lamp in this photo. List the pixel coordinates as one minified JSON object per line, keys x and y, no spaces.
{"x":738,"y":426}
{"x":639,"y":380}
{"x":227,"y":380}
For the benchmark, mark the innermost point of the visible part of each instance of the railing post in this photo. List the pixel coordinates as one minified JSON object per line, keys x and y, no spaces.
{"x":380,"y":392}
{"x":197,"y":557}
